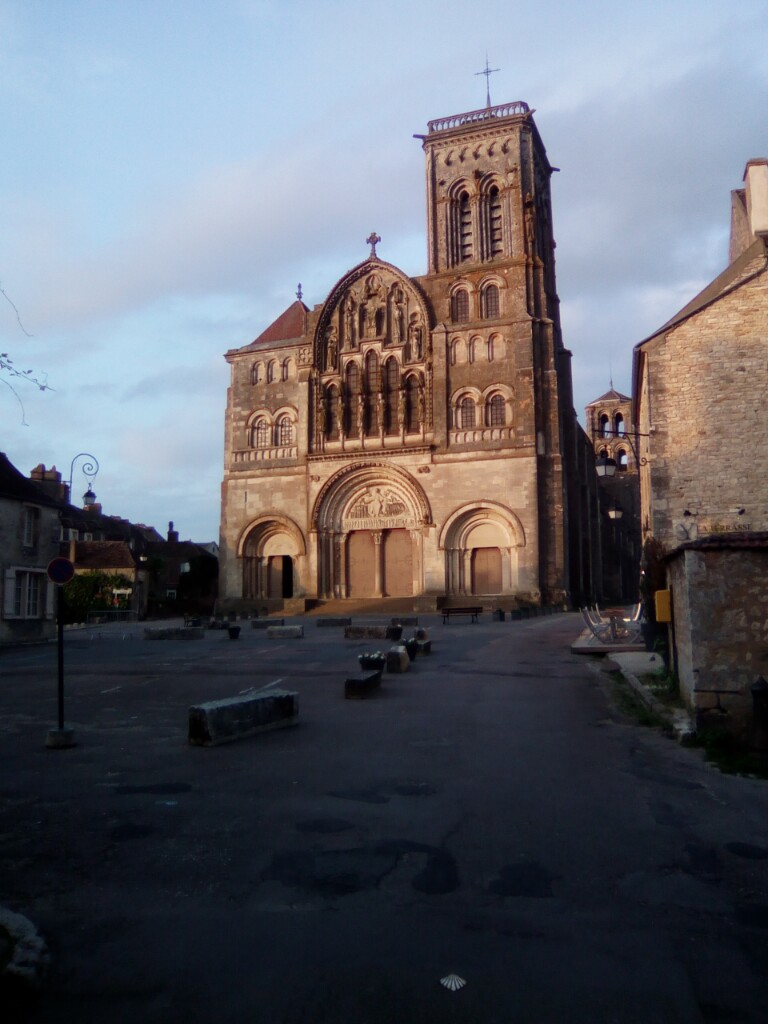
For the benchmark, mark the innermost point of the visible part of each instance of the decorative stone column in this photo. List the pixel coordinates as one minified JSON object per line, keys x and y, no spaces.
{"x":378,"y":568}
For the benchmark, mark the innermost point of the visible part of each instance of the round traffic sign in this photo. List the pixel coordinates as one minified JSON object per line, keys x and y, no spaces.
{"x":60,"y":571}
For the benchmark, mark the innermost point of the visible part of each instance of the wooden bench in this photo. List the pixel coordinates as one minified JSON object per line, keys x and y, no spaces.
{"x":474,"y":612}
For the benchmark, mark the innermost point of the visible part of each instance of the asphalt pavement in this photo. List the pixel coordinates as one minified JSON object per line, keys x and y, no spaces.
{"x":490,"y":814}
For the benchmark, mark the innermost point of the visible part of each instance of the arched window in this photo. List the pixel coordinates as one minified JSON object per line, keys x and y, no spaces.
{"x":490,"y":302}
{"x":353,"y":394}
{"x":618,"y":423}
{"x":495,"y":224}
{"x":460,"y":306}
{"x":465,"y":228}
{"x":391,"y":396}
{"x":605,"y":425}
{"x":372,"y":393}
{"x":622,"y":460}
{"x":492,"y":352}
{"x":466,"y":413}
{"x":495,"y":412}
{"x":333,"y":412}
{"x":260,"y":433}
{"x":286,"y":368}
{"x":257,"y":373}
{"x":284,"y":431}
{"x":412,"y":423}
{"x":272,"y":372}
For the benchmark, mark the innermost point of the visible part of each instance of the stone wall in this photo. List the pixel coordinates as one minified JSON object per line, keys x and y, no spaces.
{"x":704,"y":405}
{"x":720,"y":597}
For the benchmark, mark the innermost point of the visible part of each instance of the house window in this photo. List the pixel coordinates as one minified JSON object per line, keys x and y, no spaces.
{"x":24,"y":594}
{"x":495,"y":411}
{"x":491,"y":302}
{"x":466,"y":414}
{"x":460,"y":306}
{"x":31,"y":526}
{"x":284,"y":432}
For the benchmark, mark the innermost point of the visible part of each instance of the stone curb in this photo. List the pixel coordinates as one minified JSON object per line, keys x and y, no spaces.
{"x":678,"y":720}
{"x":29,"y":960}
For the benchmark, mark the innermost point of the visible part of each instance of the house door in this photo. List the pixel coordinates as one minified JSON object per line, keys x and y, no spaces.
{"x":486,"y":571}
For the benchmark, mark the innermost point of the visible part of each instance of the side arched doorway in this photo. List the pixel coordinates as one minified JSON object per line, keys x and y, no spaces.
{"x":272,"y":551}
{"x":481,"y":545}
{"x":370,"y":521}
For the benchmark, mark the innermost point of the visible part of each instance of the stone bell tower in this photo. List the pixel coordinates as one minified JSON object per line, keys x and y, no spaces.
{"x":491,"y":266}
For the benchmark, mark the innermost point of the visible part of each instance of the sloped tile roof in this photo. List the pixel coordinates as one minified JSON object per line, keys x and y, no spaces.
{"x":289,"y":325}
{"x":103,"y":554}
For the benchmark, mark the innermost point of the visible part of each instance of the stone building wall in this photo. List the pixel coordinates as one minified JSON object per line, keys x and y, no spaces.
{"x":720,"y":594}
{"x":705,"y":384}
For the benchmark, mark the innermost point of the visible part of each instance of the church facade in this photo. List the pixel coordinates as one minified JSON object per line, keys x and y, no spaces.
{"x":413,"y":436}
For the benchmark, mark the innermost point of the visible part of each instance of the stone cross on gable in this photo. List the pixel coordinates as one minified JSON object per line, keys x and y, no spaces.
{"x":373,"y":239}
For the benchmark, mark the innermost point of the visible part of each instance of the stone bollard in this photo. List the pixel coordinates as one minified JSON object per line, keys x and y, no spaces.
{"x":397,"y":659}
{"x":285,"y":632}
{"x":221,"y":721}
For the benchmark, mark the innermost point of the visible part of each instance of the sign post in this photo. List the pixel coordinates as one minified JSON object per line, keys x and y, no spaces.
{"x":60,"y":571}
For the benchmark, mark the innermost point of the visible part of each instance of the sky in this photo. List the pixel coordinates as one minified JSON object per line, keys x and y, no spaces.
{"x":172,"y":169}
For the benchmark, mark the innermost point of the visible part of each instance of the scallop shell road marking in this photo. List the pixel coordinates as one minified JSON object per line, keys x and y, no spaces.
{"x":452,"y":982}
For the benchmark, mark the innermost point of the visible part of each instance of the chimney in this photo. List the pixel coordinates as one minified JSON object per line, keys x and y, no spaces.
{"x":173,"y":535}
{"x":50,"y":481}
{"x":756,"y":181}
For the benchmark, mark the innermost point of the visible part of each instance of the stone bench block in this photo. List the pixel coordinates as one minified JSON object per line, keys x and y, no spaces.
{"x":423,"y":647}
{"x":233,"y":718}
{"x":373,"y":632}
{"x":364,"y":685}
{"x":338,"y":620}
{"x":266,"y":623}
{"x":174,"y":633}
{"x":397,"y":659}
{"x":285,"y":632}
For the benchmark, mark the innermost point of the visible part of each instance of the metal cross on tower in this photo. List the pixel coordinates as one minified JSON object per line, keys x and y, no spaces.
{"x":373,"y":239}
{"x":488,"y":72}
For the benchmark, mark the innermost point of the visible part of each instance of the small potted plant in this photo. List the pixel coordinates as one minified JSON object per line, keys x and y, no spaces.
{"x":372,"y":661}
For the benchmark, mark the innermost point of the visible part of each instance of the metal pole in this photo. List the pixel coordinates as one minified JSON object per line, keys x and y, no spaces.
{"x":60,"y":624}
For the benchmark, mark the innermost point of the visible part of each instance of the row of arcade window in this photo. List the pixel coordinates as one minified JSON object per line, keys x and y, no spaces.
{"x":489,"y":304}
{"x":266,"y":435}
{"x":272,"y":373}
{"x":465,"y":247}
{"x":622,"y":458}
{"x":467,"y":413}
{"x":378,"y":404}
{"x":608,"y":430}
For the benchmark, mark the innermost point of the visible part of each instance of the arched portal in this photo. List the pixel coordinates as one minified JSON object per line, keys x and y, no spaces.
{"x":369,"y":521}
{"x":272,"y":550}
{"x":481,"y":545}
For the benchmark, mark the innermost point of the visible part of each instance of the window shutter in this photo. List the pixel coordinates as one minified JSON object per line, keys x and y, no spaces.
{"x":9,"y":588}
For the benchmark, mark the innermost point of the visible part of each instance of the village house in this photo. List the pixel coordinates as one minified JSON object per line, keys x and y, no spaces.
{"x":699,"y":386}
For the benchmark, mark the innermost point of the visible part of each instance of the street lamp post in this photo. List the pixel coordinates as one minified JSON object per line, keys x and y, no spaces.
{"x":606,"y":466}
{"x":90,"y":469}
